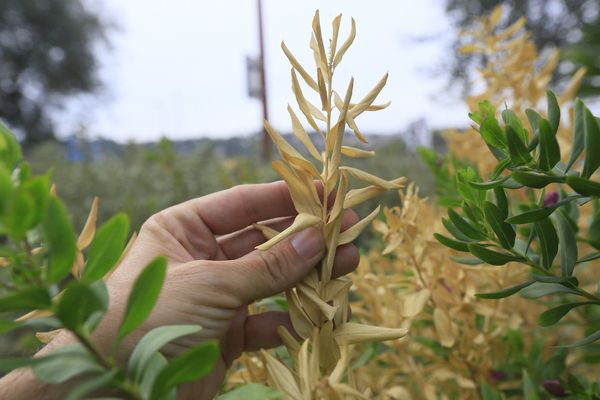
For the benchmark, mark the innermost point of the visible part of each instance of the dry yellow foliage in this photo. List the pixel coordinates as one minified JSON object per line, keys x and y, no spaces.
{"x":512,"y":77}
{"x":319,"y":306}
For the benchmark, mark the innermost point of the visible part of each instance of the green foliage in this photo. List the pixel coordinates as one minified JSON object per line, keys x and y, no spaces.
{"x":542,"y":228}
{"x":38,"y":248}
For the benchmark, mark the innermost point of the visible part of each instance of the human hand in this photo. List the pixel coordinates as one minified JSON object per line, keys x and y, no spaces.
{"x":214,"y":273}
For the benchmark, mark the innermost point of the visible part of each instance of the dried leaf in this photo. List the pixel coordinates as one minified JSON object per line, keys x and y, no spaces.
{"x":355,"y":197}
{"x":355,"y":152}
{"x":298,"y":67}
{"x":363,"y":104}
{"x":334,"y":36}
{"x":316,"y":24}
{"x":89,"y":229}
{"x":301,"y":134}
{"x":340,"y":54}
{"x":352,"y":124}
{"x":352,"y":333}
{"x":46,"y":337}
{"x":495,"y":16}
{"x":304,"y":196}
{"x":352,"y":233}
{"x":303,"y":103}
{"x":443,"y":327}
{"x":301,"y":222}
{"x":289,"y":153}
{"x":372,"y":179}
{"x":327,"y":310}
{"x":414,"y":303}
{"x":282,"y":377}
{"x":267,"y":231}
{"x":288,"y":340}
{"x":300,"y":320}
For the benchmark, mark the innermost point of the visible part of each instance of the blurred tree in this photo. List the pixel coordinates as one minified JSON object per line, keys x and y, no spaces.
{"x":46,"y":54}
{"x":554,"y":23}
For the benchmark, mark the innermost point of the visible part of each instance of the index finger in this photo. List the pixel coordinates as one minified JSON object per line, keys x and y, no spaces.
{"x":233,"y":209}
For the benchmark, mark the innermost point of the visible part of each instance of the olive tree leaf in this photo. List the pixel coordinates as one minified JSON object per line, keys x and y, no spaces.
{"x":31,"y":298}
{"x":77,"y":304}
{"x":189,"y":366}
{"x":549,"y":148}
{"x":505,"y":292}
{"x":152,"y":342}
{"x":143,"y":296}
{"x":546,"y":232}
{"x":553,"y":111}
{"x":495,"y":218}
{"x":553,"y":315}
{"x":592,"y":144}
{"x":583,"y":186}
{"x":453,"y":244}
{"x":490,"y":256}
{"x":567,"y":244}
{"x":578,"y":133}
{"x":92,"y":384}
{"x":535,"y":180}
{"x":516,"y":148}
{"x":585,"y":341}
{"x":60,"y":242}
{"x":106,"y":247}
{"x":66,"y":363}
{"x":252,"y":391}
{"x":539,"y":289}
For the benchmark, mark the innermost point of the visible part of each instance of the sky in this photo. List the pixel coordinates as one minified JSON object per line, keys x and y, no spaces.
{"x":177,"y":68}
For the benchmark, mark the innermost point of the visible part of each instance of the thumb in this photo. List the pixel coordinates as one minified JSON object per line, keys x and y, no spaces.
{"x":266,"y":273}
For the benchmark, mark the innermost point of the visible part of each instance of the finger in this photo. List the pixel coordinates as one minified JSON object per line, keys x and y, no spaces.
{"x":262,"y":274}
{"x":260,"y":330}
{"x":238,"y":244}
{"x":234,"y":209}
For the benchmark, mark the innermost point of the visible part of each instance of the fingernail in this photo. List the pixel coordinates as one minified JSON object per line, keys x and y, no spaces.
{"x":308,"y":243}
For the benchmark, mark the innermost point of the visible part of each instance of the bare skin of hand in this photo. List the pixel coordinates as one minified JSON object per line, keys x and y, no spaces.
{"x":213,"y":274}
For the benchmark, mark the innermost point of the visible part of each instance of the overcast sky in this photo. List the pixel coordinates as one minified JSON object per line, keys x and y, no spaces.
{"x":177,"y":67}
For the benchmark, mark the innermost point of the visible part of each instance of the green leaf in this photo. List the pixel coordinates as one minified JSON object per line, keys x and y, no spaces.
{"x":106,"y":248}
{"x":539,"y":289}
{"x":143,"y":296}
{"x":77,"y":304}
{"x":252,"y":391}
{"x":516,"y":148}
{"x":553,"y":315}
{"x":534,"y":119}
{"x":466,"y":260}
{"x":192,"y":365}
{"x":505,"y":292}
{"x":454,"y":231}
{"x":156,"y":364}
{"x":546,"y":232}
{"x":511,"y":120}
{"x":502,"y":165}
{"x":529,"y":216}
{"x":7,"y":326}
{"x":578,"y":133}
{"x":39,"y":190}
{"x":31,"y":298}
{"x":529,"y":390}
{"x":549,"y":148}
{"x":501,"y":201}
{"x":10,"y":151}
{"x":553,"y":111}
{"x":464,"y":226}
{"x":489,"y":185}
{"x":491,"y":133}
{"x":487,"y":393}
{"x":453,"y":244}
{"x":60,"y":241}
{"x":584,"y":342}
{"x":504,"y":232}
{"x":584,"y":186}
{"x":589,"y":257}
{"x":592,"y":144}
{"x":535,"y":180}
{"x":569,"y":281}
{"x":66,"y":363}
{"x":91,"y":385}
{"x":152,"y":342}
{"x":490,"y":256}
{"x":567,"y":244}
{"x":20,"y":214}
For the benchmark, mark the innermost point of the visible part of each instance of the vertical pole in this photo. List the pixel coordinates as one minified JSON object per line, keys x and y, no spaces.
{"x":266,"y":142}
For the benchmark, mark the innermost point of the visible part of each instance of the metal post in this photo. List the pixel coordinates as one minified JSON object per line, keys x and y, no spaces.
{"x":266,"y":142}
